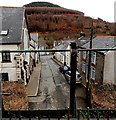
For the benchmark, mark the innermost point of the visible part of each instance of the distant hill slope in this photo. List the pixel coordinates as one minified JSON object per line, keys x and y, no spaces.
{"x":57,"y":23}
{"x":41,"y":4}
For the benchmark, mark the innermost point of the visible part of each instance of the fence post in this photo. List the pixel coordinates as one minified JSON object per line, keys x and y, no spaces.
{"x":88,"y":116}
{"x":10,"y":115}
{"x":108,"y":115}
{"x":97,"y":114}
{"x":73,"y":78}
{"x":19,"y":115}
{"x":59,"y":115}
{"x":29,"y":115}
{"x":78,"y":111}
{"x":49,"y":115}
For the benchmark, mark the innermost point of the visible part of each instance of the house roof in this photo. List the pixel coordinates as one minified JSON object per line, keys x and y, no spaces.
{"x":12,"y":21}
{"x":101,"y":42}
{"x":63,"y":46}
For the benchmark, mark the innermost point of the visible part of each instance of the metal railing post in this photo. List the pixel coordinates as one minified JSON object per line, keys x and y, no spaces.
{"x":88,"y":115}
{"x":108,"y":115}
{"x":19,"y":115}
{"x":10,"y":115}
{"x":73,"y":78}
{"x":97,"y":114}
{"x":78,"y":117}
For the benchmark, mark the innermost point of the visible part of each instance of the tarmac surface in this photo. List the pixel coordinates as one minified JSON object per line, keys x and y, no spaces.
{"x":53,"y":91}
{"x":48,"y":88}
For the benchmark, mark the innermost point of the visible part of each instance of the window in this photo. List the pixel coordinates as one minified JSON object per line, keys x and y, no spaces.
{"x":4,"y":32}
{"x":86,"y":71}
{"x":93,"y":57}
{"x":84,"y":55}
{"x":6,"y":56}
{"x":92,"y":73}
{"x":83,"y":67}
{"x":4,"y":76}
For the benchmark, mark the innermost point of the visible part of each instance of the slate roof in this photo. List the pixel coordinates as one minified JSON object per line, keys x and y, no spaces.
{"x":102,"y":42}
{"x":63,"y":46}
{"x":12,"y":20}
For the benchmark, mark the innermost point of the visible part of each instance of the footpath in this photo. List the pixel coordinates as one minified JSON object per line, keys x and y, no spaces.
{"x":33,"y":85}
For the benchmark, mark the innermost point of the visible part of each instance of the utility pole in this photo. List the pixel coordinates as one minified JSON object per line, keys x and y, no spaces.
{"x":89,"y":69}
{"x":73,"y":65}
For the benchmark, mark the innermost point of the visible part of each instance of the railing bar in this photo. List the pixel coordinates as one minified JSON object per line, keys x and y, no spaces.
{"x":58,"y":115}
{"x":29,"y":115}
{"x":10,"y":115}
{"x":22,"y":113}
{"x":97,"y":114}
{"x":108,"y":116}
{"x":88,"y":114}
{"x":78,"y":111}
{"x":19,"y":115}
{"x":60,"y":50}
{"x":68,"y":114}
{"x":39,"y":117}
{"x":49,"y":115}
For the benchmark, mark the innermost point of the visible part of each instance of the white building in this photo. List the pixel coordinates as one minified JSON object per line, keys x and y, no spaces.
{"x":102,"y":67}
{"x":34,"y":45}
{"x":109,"y":68}
{"x":62,"y":56}
{"x":14,"y":36}
{"x":42,"y":46}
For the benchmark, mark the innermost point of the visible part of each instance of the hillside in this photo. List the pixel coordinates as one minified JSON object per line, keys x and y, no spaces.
{"x":41,"y":4}
{"x":57,"y":23}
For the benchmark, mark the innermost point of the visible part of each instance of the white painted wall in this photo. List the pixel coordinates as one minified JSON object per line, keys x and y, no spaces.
{"x":26,"y":45}
{"x":60,"y":57}
{"x":63,"y":58}
{"x":9,"y":67}
{"x":109,"y":75}
{"x":42,"y":48}
{"x":68,"y":54}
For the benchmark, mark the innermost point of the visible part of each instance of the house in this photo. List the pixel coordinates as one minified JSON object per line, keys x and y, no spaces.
{"x":42,"y":46}
{"x":62,"y":56}
{"x":34,"y":45}
{"x":102,"y":62}
{"x":14,"y":35}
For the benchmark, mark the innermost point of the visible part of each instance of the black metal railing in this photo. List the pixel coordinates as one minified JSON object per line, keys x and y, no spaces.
{"x":59,"y":114}
{"x":86,"y":114}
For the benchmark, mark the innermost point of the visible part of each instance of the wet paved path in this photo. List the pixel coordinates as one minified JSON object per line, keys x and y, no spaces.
{"x":54,"y":90}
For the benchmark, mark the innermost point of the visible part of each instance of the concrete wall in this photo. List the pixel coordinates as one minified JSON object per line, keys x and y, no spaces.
{"x":68,"y":56}
{"x":109,"y":68}
{"x":99,"y":68}
{"x":60,"y":57}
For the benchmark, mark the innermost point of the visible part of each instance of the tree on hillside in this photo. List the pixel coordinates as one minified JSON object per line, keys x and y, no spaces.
{"x":41,"y":4}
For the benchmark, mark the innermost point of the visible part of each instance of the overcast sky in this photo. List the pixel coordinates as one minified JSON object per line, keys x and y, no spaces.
{"x":93,"y":8}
